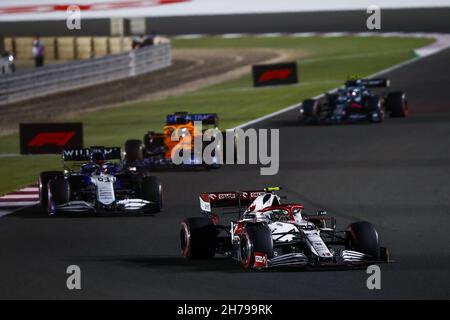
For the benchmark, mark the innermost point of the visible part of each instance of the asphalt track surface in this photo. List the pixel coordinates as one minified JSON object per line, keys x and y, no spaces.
{"x":395,"y":175}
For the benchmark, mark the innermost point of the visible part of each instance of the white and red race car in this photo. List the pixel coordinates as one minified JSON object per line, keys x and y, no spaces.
{"x":271,"y":234}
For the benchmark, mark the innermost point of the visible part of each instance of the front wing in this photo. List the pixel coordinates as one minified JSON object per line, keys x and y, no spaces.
{"x":347,"y":258}
{"x":122,"y":206}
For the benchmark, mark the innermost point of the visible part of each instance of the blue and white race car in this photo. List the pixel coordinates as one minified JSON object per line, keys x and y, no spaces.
{"x":98,"y":185}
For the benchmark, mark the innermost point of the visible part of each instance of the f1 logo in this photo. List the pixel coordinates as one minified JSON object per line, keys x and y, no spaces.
{"x":50,"y":138}
{"x":275,"y":74}
{"x":59,"y":139}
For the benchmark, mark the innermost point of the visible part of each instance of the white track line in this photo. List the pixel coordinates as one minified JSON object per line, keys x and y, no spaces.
{"x":233,"y":35}
{"x":336,"y":34}
{"x":29,"y":189}
{"x":4,"y":213}
{"x":190,"y":36}
{"x":17,"y":205}
{"x":7,"y":155}
{"x":20,"y":196}
{"x":271,"y":35}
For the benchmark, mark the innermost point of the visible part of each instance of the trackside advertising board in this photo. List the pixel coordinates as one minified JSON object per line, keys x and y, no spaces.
{"x":50,"y":138}
{"x":275,"y":74}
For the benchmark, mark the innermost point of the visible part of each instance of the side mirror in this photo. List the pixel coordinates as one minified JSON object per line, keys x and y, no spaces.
{"x":321,"y":213}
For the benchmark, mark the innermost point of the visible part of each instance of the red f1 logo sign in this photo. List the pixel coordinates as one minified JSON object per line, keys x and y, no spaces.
{"x":59,"y":139}
{"x":47,"y":138}
{"x":275,"y":74}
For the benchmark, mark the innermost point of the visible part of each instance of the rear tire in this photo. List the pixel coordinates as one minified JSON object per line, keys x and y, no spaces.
{"x":44,"y":178}
{"x":58,"y":193}
{"x":255,"y":238}
{"x":397,"y":104}
{"x":198,"y":238}
{"x":363,"y":237}
{"x":331,"y":98}
{"x":133,"y":151}
{"x":152,"y":191}
{"x":311,"y":108}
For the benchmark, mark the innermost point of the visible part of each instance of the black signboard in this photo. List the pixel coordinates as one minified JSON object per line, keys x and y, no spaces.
{"x":275,"y":74}
{"x":50,"y":138}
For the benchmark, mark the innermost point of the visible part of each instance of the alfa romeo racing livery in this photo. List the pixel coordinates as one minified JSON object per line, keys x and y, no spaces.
{"x":270,"y":234}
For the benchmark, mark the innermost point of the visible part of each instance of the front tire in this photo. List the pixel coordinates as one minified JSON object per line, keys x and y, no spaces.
{"x":375,"y":109}
{"x":311,"y":109}
{"x":44,"y":178}
{"x":255,"y":238}
{"x":363,"y":237}
{"x":198,"y":238}
{"x":58,"y":193}
{"x":152,"y":191}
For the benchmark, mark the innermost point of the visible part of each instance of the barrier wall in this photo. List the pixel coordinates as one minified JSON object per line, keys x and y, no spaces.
{"x":57,"y":78}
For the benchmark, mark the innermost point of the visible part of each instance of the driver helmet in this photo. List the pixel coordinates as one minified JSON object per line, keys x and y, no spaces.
{"x":98,"y":157}
{"x":264,"y":201}
{"x":353,"y":91}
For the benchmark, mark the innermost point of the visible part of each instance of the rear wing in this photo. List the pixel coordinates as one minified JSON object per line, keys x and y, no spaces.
{"x":184,"y":117}
{"x":370,"y":83}
{"x":84,"y":154}
{"x":209,"y":200}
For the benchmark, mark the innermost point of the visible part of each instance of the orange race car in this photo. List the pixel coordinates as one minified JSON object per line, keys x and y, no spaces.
{"x":178,"y":136}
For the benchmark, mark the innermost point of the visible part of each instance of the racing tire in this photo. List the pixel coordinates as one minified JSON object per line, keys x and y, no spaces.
{"x":363,"y":237}
{"x":198,"y":238}
{"x":255,"y":238}
{"x":311,"y":109}
{"x":152,"y":191}
{"x":44,"y":178}
{"x":397,"y":104}
{"x":375,"y":109}
{"x":58,"y":193}
{"x":133,"y":151}
{"x":332,"y":98}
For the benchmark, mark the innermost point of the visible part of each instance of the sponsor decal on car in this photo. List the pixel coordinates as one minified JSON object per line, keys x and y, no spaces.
{"x":260,"y":260}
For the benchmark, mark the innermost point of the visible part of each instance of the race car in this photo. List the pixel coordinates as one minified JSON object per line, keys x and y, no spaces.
{"x":354,"y":102}
{"x":96,"y":184}
{"x":269,"y":234}
{"x":156,"y":149}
